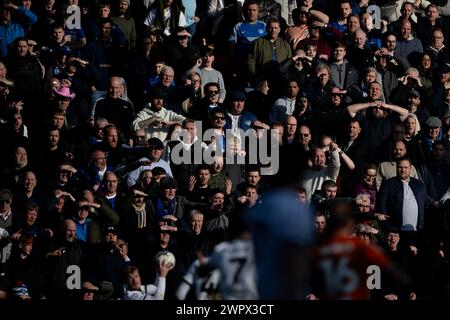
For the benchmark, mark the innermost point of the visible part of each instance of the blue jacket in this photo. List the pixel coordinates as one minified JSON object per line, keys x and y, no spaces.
{"x":14,"y":30}
{"x":245,"y":121}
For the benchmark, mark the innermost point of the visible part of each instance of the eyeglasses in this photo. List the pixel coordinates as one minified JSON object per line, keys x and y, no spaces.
{"x":363,"y":206}
{"x":304,"y":134}
{"x":196,"y":80}
{"x":213,"y":91}
{"x":337,"y":95}
{"x":219,"y":118}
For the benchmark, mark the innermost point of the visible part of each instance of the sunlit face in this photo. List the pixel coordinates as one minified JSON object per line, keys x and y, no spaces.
{"x":115,"y":88}
{"x":339,"y":53}
{"x":167,"y":77}
{"x":191,"y":129}
{"x":437,"y":39}
{"x":360,"y":39}
{"x":405,"y":30}
{"x":399,"y":150}
{"x":155,"y":154}
{"x":273,"y":29}
{"x":369,"y":176}
{"x":253,"y":178}
{"x":410,"y":125}
{"x":196,"y":82}
{"x":375,"y":91}
{"x":252,"y":13}
{"x":291,"y":126}
{"x":404,"y":169}
{"x":169,"y":193}
{"x":407,"y":10}
{"x":367,"y":21}
{"x":213,"y":94}
{"x":353,"y":24}
{"x":324,"y":76}
{"x":354,"y":129}
{"x":432,"y":13}
{"x":196,"y":223}
{"x":330,"y":192}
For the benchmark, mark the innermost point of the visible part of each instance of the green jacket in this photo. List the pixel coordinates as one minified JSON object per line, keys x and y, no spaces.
{"x":261,"y":55}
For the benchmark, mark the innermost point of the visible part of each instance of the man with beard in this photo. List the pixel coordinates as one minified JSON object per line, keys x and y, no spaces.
{"x":155,"y":119}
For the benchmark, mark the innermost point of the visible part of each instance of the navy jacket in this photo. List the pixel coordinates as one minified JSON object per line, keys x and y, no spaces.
{"x":390,"y":200}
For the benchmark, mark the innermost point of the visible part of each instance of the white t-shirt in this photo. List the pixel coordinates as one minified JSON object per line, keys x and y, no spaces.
{"x":151,"y":20}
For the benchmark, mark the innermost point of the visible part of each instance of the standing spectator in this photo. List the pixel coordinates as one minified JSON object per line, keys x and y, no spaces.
{"x":166,"y":16}
{"x":402,"y":199}
{"x":10,"y":29}
{"x":313,"y":177}
{"x":243,"y":35}
{"x":268,"y":52}
{"x":126,"y":23}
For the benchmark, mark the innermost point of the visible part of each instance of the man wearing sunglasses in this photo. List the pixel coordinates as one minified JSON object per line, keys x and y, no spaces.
{"x":202,"y":109}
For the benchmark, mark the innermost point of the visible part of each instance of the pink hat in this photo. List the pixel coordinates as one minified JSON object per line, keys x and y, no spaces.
{"x":64,"y":92}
